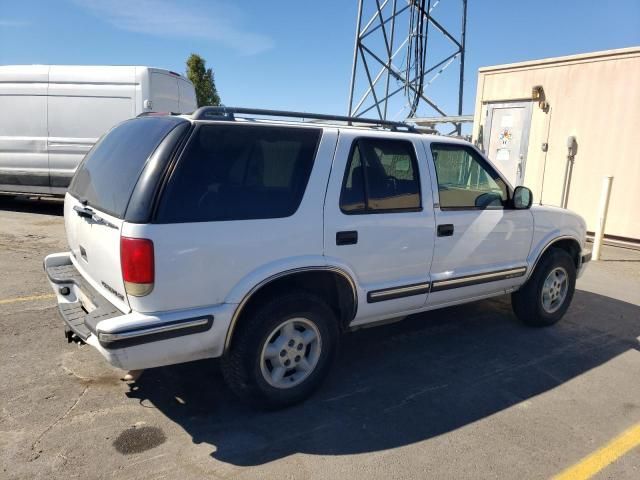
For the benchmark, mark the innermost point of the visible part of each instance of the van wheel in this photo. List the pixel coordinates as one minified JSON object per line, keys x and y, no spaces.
{"x":282,"y":352}
{"x":546,"y":296}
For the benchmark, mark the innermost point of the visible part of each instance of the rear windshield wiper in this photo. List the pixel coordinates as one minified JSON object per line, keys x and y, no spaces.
{"x":91,"y":215}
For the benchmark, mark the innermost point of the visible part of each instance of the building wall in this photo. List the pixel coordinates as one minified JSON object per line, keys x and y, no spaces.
{"x":596,"y":98}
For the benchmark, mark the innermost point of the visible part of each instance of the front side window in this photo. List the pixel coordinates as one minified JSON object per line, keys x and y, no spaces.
{"x":230,"y":172}
{"x":381,"y":176}
{"x":465,"y":180}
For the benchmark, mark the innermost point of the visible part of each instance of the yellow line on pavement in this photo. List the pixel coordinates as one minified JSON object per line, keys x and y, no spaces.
{"x":592,"y":464}
{"x":26,"y":299}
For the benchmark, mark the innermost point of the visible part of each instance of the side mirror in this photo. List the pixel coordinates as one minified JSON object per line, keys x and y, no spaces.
{"x":522,"y":198}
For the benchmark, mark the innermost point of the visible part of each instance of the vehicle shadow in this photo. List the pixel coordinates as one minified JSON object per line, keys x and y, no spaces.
{"x":401,"y":383}
{"x":40,"y":205}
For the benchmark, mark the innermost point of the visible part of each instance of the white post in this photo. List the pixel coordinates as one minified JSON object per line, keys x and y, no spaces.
{"x":602,"y":216}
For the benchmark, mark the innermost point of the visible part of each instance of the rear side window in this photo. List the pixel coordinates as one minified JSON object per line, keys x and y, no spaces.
{"x":240,"y":172}
{"x":381,"y":177}
{"x":108,"y":174}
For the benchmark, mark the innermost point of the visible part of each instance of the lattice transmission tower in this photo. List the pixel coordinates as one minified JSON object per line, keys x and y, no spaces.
{"x":401,"y":48}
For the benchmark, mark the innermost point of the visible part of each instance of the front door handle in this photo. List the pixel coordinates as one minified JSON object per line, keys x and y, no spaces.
{"x":445,"y":230}
{"x":347,"y":238}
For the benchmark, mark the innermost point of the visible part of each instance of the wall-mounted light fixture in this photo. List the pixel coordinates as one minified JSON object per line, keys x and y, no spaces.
{"x":537,"y":94}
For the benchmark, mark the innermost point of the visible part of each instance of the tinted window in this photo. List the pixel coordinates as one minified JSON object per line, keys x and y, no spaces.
{"x":466,"y":180}
{"x":352,"y":197}
{"x":240,"y":172}
{"x":108,"y":174}
{"x":388,"y":182}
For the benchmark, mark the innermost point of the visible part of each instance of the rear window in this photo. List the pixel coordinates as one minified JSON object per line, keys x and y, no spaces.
{"x":240,"y":172}
{"x":108,"y":174}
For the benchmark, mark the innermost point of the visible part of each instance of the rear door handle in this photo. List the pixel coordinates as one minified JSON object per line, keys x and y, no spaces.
{"x":347,"y":238}
{"x":445,"y":230}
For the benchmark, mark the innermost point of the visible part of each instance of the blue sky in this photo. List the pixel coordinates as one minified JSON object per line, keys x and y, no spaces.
{"x":294,"y":54}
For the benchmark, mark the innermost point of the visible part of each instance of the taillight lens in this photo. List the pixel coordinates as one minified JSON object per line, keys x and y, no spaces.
{"x":136,"y":259}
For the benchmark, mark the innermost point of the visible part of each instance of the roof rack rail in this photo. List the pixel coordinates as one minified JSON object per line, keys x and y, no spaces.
{"x":227,"y":113}
{"x":156,"y":114}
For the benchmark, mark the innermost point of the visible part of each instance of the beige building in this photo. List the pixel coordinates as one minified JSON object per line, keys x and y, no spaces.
{"x":526,"y":114}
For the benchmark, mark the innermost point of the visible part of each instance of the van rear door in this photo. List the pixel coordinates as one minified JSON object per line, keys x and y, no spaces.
{"x":164,"y":92}
{"x":188,"y":102}
{"x":98,"y":198}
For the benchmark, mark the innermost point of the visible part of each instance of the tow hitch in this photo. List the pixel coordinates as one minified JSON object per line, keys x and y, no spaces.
{"x":71,"y":336}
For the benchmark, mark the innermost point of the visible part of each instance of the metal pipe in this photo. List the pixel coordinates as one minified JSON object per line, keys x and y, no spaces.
{"x":370,"y":22}
{"x":355,"y":56}
{"x":545,"y":150}
{"x":374,"y":29}
{"x":568,"y":173}
{"x":462,"y":48}
{"x":602,"y":216}
{"x":398,"y":76}
{"x":572,"y":148}
{"x":367,"y":92}
{"x":366,"y":70}
{"x":393,"y":32}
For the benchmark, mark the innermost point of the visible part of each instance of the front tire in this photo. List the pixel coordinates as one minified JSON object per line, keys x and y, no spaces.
{"x":281,"y":353}
{"x":546,"y":296}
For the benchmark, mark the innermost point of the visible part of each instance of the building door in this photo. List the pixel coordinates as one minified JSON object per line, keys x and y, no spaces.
{"x":507,"y":137}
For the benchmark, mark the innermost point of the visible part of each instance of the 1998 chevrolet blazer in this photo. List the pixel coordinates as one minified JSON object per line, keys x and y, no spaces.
{"x":261,"y":241}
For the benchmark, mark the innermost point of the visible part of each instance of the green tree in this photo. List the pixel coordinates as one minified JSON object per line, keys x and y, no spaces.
{"x":203,"y":81}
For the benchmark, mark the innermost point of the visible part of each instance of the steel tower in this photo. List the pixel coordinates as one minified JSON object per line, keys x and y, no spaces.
{"x":400,"y":50}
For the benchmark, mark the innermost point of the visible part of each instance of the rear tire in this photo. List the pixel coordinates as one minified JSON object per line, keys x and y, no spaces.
{"x":282,"y":352}
{"x":546,"y":296}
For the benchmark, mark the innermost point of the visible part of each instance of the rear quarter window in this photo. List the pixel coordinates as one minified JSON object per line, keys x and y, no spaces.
{"x":108,"y":174}
{"x":240,"y":172}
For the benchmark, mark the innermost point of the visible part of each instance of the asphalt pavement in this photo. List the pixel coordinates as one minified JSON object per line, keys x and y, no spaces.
{"x":464,"y":392}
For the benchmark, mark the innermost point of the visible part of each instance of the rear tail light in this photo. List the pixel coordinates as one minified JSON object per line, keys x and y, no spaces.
{"x":136,"y":259}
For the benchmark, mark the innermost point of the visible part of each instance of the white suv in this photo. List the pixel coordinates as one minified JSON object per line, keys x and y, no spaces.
{"x":262,"y":241}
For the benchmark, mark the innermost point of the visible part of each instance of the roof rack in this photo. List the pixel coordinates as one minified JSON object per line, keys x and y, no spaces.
{"x":156,"y":114}
{"x":227,"y":113}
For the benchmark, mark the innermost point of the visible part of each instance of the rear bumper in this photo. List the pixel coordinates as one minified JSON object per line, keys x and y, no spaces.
{"x":81,"y":306}
{"x":134,"y":340}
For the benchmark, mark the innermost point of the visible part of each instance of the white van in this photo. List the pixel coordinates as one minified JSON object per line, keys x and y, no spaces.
{"x":51,"y":115}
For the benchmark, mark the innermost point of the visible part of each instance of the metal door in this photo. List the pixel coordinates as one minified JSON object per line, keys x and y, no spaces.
{"x":507,"y":137}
